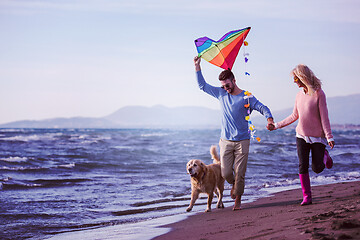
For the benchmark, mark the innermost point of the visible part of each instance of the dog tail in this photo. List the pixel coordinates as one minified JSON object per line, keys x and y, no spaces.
{"x":214,"y":154}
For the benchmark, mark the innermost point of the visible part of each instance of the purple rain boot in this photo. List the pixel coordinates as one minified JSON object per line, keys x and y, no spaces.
{"x":306,"y":189}
{"x":327,"y":160}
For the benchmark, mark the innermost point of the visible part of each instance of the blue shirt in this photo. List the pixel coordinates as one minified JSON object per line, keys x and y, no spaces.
{"x":234,"y":126}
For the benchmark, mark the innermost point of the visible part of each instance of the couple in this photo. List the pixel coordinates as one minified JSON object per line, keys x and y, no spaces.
{"x":313,"y":131}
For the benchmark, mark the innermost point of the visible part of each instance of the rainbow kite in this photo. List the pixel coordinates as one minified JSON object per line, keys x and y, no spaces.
{"x":222,"y":53}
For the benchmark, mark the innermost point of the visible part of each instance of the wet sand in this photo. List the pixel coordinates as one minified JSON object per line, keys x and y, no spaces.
{"x":334,"y":214}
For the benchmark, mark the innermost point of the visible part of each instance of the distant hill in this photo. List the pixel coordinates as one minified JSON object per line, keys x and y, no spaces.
{"x":75,"y":122}
{"x":161,"y":116}
{"x":342,"y":110}
{"x":133,"y":117}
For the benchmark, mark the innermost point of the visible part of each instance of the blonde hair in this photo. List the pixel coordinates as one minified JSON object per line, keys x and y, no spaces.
{"x":307,"y":77}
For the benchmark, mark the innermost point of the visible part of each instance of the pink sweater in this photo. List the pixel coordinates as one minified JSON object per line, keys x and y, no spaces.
{"x":312,"y":113}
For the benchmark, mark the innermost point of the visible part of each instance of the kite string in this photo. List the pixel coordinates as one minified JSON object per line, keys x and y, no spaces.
{"x":248,"y":95}
{"x":244,"y":54}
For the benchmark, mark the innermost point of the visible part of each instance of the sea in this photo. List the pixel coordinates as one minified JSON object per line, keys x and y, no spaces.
{"x":65,"y":181}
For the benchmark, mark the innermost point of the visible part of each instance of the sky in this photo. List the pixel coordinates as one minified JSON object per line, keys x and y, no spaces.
{"x":89,"y":58}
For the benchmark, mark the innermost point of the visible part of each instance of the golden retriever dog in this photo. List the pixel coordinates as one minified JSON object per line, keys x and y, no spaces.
{"x":206,"y":179}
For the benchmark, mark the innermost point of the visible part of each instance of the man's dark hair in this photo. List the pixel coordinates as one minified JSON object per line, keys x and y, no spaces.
{"x":226,"y":74}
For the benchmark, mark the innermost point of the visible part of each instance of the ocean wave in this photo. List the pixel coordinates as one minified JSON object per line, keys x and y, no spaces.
{"x":146,"y":210}
{"x":13,"y":130}
{"x":146,"y":203}
{"x":17,"y":216}
{"x":137,"y":151}
{"x":346,"y":155}
{"x":65,"y":136}
{"x":281,"y":183}
{"x":36,"y":168}
{"x":315,"y":180}
{"x":337,"y":177}
{"x":5,"y":168}
{"x":14,"y":159}
{"x":70,"y":165}
{"x":30,"y":138}
{"x":154,"y":134}
{"x":11,"y":184}
{"x":93,"y":141}
{"x":163,"y":205}
{"x":123,"y":147}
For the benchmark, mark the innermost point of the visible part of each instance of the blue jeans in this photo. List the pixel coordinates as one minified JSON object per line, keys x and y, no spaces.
{"x":317,"y":155}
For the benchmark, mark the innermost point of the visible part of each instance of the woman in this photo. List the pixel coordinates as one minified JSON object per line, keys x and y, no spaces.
{"x":313,"y":131}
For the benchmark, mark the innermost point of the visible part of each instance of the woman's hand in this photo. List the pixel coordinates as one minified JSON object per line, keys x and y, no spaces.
{"x":271,"y":125}
{"x":331,"y":144}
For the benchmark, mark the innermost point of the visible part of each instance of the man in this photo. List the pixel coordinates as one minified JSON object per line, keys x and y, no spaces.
{"x":235,"y":137}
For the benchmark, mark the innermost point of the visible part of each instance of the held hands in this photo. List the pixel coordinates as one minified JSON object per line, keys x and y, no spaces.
{"x":271,"y":125}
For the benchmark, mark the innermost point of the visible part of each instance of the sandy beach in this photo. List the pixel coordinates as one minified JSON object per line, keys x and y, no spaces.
{"x":334,"y":214}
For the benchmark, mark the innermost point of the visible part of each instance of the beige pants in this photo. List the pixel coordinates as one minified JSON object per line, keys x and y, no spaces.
{"x":234,"y":157}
